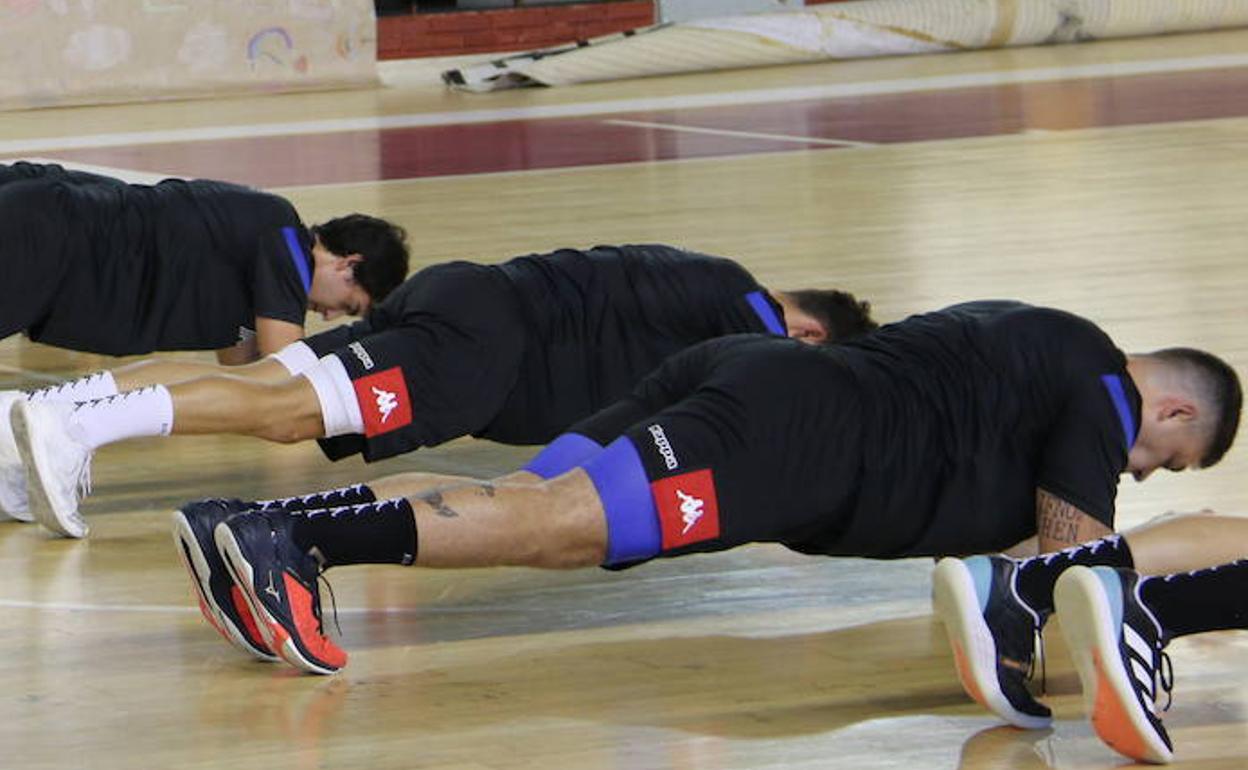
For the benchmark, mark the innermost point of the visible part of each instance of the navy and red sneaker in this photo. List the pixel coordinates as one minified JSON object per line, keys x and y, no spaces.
{"x":220,"y":601}
{"x":1118,"y":649}
{"x":279,"y":582}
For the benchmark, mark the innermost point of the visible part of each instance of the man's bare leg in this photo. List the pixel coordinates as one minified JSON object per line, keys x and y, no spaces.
{"x":555,"y":524}
{"x":161,"y":371}
{"x":155,"y":371}
{"x":275,"y":558}
{"x":14,"y":498}
{"x":1175,"y":542}
{"x":284,"y":411}
{"x":195,"y":522}
{"x":1187,"y":542}
{"x":55,"y":440}
{"x":415,"y":483}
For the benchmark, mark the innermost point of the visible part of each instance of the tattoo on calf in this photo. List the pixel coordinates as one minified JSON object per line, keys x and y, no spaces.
{"x":434,"y":500}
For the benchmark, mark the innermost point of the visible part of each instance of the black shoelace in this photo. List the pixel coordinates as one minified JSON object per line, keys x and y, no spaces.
{"x":316,"y":599}
{"x":333,"y":602}
{"x":1164,"y":672}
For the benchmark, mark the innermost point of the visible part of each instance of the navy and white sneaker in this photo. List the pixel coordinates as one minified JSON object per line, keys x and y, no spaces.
{"x":1117,"y":645}
{"x":221,"y":602}
{"x":280,"y":583}
{"x":993,"y":633}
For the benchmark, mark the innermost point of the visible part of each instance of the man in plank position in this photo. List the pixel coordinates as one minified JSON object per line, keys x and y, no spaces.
{"x":94,"y":264}
{"x":960,"y":431}
{"x":514,"y":352}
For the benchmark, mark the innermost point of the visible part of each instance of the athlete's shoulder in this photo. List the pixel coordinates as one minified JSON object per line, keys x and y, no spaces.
{"x":666,"y":253}
{"x":1053,"y":323}
{"x":247,"y":201}
{"x":633,"y":257}
{"x":1012,"y":316}
{"x":457,"y":288}
{"x":762,"y":350}
{"x":1052,"y":337}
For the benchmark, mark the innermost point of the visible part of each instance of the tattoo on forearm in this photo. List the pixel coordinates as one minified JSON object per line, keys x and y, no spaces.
{"x":434,"y":500}
{"x":485,"y":488}
{"x":1057,"y":519}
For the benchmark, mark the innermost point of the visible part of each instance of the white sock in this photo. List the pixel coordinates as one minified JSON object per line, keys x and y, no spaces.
{"x":89,"y":388}
{"x":144,"y":412}
{"x":340,"y":411}
{"x":297,"y":357}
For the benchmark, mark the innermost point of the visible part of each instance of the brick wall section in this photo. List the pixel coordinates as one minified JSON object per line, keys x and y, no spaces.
{"x":509,"y":29}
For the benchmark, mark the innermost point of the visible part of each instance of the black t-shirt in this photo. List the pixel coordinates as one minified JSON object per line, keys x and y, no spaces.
{"x":600,"y":320}
{"x":965,"y":412}
{"x":928,"y":437}
{"x":582,"y":327}
{"x":181,"y":265}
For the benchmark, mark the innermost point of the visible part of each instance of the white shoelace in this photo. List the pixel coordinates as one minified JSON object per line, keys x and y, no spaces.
{"x":84,"y":477}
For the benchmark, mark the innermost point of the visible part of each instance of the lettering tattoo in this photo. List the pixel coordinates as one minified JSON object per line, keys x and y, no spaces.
{"x":1058,"y":520}
{"x":434,"y":500}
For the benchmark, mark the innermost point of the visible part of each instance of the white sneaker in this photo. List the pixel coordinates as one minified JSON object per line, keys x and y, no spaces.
{"x":58,"y":466}
{"x":13,"y":499}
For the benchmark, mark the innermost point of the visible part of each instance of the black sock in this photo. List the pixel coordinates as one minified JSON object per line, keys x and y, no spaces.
{"x":1038,"y":575}
{"x":372,"y":533}
{"x":332,"y":498}
{"x":1205,"y":600}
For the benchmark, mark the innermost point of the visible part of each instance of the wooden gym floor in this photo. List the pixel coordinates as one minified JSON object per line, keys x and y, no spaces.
{"x":1110,"y":179}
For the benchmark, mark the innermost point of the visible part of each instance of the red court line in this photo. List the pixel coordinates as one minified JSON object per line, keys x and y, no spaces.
{"x":450,"y":150}
{"x":992,"y":110}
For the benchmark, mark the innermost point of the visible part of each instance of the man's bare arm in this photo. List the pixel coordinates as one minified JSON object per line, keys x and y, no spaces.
{"x":245,"y":352}
{"x":1024,"y":549}
{"x":1060,"y":524}
{"x":272,"y":335}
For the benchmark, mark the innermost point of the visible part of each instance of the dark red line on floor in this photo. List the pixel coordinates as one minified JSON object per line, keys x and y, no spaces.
{"x":410,"y":153}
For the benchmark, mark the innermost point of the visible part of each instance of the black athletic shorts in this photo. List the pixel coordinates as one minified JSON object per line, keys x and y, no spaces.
{"x":439,"y":370}
{"x":738,"y":440}
{"x":35,"y":245}
{"x":38,"y":245}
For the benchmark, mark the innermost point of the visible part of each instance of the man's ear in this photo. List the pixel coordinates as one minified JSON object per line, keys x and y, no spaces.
{"x":349,"y":261}
{"x":813,"y":333}
{"x":1179,"y":408}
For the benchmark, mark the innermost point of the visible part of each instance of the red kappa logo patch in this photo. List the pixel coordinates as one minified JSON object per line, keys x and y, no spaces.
{"x":384,"y":402}
{"x":688,"y":508}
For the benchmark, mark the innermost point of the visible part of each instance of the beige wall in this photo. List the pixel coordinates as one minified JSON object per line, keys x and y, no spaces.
{"x":56,"y":52}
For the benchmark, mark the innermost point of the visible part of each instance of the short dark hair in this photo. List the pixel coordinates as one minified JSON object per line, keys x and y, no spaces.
{"x":1218,"y":386}
{"x":842,"y":314}
{"x":382,"y":244}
